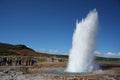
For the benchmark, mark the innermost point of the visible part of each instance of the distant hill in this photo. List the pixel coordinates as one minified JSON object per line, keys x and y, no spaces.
{"x":13,"y":47}
{"x":20,"y":49}
{"x":9,"y":49}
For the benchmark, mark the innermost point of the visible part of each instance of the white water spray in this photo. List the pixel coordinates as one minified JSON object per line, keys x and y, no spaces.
{"x":81,"y":57}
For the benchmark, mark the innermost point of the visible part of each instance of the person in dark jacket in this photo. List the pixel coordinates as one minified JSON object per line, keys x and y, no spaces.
{"x":5,"y":60}
{"x":20,"y":60}
{"x":33,"y":61}
{"x":1,"y":61}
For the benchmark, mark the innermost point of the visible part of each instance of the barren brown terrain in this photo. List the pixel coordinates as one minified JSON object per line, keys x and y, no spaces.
{"x":55,"y":71}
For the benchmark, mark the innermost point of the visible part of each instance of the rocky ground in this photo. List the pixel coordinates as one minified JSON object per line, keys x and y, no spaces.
{"x":46,"y":71}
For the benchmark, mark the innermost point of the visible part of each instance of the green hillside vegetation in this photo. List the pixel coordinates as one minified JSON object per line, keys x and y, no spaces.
{"x":13,"y":47}
{"x":5,"y":52}
{"x":5,"y":49}
{"x":107,"y":59}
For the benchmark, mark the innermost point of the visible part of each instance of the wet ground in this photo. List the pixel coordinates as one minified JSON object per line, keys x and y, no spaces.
{"x":53,"y":71}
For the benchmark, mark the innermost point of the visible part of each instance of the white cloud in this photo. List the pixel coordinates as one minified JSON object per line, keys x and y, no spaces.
{"x":42,"y":50}
{"x":108,"y":54}
{"x":51,"y":51}
{"x":112,"y":54}
{"x":97,"y":53}
{"x":119,"y":54}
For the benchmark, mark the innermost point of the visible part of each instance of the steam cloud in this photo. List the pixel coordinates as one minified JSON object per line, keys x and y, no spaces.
{"x":81,"y":57}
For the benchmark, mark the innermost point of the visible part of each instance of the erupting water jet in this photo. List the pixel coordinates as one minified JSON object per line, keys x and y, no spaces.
{"x":81,"y":57}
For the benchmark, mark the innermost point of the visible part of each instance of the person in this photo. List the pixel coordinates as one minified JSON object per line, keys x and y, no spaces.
{"x":29,"y":61}
{"x":33,"y":61}
{"x":22,"y":60}
{"x":26,"y":61}
{"x":16,"y":61}
{"x":60,"y":60}
{"x":52,"y":59}
{"x":5,"y":60}
{"x":9,"y":61}
{"x":19,"y":60}
{"x":1,"y":61}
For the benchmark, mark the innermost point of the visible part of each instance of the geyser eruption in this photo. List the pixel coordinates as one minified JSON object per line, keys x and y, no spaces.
{"x":81,"y":57}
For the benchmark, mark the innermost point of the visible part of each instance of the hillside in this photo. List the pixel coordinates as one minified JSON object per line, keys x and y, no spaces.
{"x":9,"y":49}
{"x":20,"y":49}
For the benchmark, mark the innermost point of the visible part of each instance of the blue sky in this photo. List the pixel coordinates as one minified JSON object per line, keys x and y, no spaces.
{"x":49,"y":24}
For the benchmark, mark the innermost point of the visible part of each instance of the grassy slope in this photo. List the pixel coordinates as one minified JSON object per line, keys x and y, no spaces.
{"x":6,"y":49}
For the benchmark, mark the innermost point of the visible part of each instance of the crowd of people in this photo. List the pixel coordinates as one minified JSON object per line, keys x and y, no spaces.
{"x":17,"y":61}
